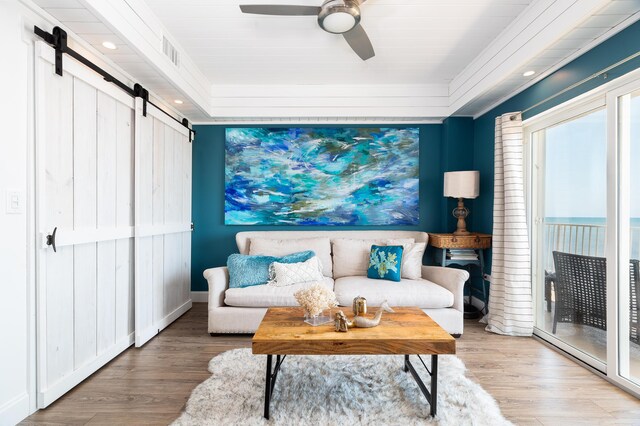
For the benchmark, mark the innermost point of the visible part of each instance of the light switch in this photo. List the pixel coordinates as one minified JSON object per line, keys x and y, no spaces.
{"x":15,"y":202}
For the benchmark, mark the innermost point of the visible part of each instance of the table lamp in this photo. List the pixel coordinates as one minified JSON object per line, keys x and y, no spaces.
{"x":461,"y":185}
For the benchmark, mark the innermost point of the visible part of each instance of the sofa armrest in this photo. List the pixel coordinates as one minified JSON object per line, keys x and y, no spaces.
{"x":450,"y":278}
{"x":218,"y":279}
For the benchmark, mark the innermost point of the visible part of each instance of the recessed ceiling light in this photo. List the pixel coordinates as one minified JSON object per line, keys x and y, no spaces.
{"x":177,"y":101}
{"x":528,"y":73}
{"x":109,"y":45}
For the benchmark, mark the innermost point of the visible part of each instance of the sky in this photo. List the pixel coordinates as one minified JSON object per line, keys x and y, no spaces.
{"x":576,"y":159}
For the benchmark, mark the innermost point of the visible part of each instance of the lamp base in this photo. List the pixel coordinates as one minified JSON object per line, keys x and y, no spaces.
{"x":460,"y":213}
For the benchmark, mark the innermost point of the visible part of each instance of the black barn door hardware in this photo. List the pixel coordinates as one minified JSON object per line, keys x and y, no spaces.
{"x":58,"y":40}
{"x":51,"y":239}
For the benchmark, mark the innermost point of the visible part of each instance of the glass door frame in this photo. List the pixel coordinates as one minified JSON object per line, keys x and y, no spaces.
{"x":618,"y":208}
{"x":535,"y":207}
{"x":615,"y":98}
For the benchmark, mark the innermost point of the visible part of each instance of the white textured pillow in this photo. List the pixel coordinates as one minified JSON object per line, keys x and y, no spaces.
{"x":412,"y":260}
{"x":351,"y":256}
{"x":284,"y":274}
{"x":321,"y":246}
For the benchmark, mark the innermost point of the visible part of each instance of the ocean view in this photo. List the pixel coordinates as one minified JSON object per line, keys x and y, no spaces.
{"x":635,"y":221}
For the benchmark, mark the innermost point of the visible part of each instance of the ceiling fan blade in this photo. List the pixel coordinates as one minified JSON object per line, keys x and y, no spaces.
{"x":359,"y":42}
{"x":277,"y":9}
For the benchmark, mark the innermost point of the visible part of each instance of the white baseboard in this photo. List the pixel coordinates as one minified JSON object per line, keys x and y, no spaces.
{"x":15,"y":410}
{"x":200,"y":296}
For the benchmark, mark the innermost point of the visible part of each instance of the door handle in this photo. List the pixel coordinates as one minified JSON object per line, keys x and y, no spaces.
{"x":51,"y":239}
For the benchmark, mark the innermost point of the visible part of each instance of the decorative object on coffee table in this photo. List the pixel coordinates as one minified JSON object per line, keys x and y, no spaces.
{"x":362,"y":322}
{"x":315,"y":300}
{"x":359,"y":305}
{"x":341,"y":322}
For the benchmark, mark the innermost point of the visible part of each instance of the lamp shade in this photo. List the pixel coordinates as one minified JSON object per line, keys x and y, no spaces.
{"x":462,"y":184}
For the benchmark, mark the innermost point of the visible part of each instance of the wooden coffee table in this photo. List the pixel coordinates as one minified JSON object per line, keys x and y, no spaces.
{"x":408,"y":331}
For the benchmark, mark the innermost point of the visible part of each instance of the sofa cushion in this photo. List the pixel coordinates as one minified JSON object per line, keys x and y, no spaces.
{"x":421,"y":293}
{"x":284,"y":274}
{"x":412,"y":260}
{"x":385,"y":263}
{"x":351,"y":256}
{"x":264,"y":296}
{"x":246,"y":270}
{"x":321,"y":247}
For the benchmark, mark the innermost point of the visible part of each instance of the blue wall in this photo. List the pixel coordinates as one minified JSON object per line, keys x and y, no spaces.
{"x":457,"y":155}
{"x":620,"y":46}
{"x":213,"y":241}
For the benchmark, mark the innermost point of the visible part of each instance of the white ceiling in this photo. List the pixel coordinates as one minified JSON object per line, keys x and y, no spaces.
{"x":416,"y":41}
{"x":433,"y":58}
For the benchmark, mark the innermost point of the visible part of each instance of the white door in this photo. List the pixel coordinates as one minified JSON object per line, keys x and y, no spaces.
{"x":84,"y":187}
{"x":162,"y":222}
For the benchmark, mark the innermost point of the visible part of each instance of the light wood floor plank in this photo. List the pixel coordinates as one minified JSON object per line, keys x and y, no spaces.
{"x":533,"y":384}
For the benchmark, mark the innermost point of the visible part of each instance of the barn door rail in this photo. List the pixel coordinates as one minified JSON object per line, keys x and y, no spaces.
{"x":58,"y":40}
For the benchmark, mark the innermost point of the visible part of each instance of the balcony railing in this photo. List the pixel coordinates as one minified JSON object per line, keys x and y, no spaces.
{"x":588,"y":240}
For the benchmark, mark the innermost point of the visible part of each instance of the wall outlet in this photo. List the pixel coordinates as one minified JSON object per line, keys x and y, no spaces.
{"x":15,"y":202}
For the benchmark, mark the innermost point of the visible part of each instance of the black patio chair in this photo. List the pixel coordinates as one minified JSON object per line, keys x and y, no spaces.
{"x":581,"y":292}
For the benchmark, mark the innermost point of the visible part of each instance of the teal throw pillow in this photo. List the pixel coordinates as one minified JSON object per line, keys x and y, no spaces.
{"x":246,"y":271}
{"x":385,"y":262}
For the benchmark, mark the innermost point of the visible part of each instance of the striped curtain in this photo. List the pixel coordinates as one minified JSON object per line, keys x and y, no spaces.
{"x":510,"y":304}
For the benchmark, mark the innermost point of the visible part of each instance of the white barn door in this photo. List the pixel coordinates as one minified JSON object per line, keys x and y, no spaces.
{"x":84,"y":187}
{"x":162,"y":222}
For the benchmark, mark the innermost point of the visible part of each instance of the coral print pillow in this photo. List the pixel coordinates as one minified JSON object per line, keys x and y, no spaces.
{"x":385,"y":263}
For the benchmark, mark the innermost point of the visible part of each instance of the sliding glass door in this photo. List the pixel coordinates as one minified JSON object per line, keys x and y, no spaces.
{"x":570,"y":216}
{"x":628,"y":245}
{"x":583,"y":180}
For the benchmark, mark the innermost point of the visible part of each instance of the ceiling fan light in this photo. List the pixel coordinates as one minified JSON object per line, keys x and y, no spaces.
{"x":339,"y":22}
{"x":339,"y":16}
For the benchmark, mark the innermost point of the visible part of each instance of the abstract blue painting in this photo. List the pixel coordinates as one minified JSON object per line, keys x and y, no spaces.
{"x":322,"y":176}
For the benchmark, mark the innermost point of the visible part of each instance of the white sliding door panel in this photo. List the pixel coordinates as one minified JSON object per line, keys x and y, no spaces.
{"x":84,"y":189}
{"x":186,"y":217}
{"x":162,"y":222}
{"x":158,"y":217}
{"x":56,"y":178}
{"x":124,"y":316}
{"x":143,"y":190}
{"x":84,"y":212}
{"x":106,"y":218}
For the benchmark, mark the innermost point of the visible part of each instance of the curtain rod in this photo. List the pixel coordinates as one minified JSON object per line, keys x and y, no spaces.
{"x":58,"y":40}
{"x":584,"y":80}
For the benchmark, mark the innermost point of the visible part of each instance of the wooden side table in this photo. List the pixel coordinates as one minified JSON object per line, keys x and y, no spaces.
{"x":463,"y":250}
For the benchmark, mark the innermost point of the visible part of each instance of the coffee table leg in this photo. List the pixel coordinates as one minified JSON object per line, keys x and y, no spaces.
{"x":434,"y":384}
{"x":270,"y":381}
{"x":267,"y":388}
{"x":432,"y":397}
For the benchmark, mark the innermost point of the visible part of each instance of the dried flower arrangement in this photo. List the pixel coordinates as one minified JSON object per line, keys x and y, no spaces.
{"x":316,"y":299}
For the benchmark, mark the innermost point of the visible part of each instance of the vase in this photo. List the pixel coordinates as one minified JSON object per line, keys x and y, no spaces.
{"x":323,"y":318}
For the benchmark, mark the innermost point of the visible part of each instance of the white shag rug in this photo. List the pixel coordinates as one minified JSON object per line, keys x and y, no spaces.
{"x":336,"y":390}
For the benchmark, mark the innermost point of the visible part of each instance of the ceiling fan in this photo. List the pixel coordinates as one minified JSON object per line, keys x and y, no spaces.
{"x":334,"y":16}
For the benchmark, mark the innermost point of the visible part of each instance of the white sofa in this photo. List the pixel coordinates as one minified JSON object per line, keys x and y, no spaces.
{"x":239,"y":310}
